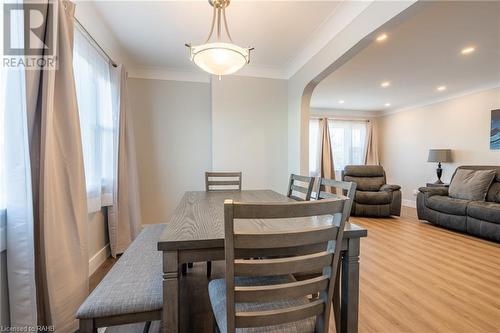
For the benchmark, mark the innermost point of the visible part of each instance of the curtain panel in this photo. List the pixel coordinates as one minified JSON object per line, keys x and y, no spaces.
{"x":58,"y":180}
{"x":124,"y":216}
{"x":325,"y":163}
{"x":371,"y":154}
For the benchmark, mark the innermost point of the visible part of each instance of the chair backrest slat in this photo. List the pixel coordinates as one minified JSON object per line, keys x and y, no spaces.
{"x":254,"y":210}
{"x":282,"y":266}
{"x":223,"y":181}
{"x":300,"y":192}
{"x":261,"y":249}
{"x":298,"y":238}
{"x":280,"y":316}
{"x":281,"y":251}
{"x":324,"y":184}
{"x":281,"y":292}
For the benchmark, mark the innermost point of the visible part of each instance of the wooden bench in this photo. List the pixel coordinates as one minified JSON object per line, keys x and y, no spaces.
{"x":132,"y":290}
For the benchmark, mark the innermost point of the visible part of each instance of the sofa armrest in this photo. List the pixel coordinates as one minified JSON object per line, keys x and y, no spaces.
{"x":390,"y":188}
{"x":430,"y":191}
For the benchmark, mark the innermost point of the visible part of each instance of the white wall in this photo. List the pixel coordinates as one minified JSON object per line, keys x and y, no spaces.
{"x":249,"y":134}
{"x":172,"y":133}
{"x":461,"y":124}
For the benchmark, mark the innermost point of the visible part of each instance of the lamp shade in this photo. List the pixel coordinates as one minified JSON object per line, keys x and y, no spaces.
{"x":220,"y":58}
{"x":439,"y":155}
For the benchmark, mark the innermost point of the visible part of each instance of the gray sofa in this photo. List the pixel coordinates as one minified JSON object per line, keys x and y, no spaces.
{"x":479,"y":218}
{"x":373,"y":196}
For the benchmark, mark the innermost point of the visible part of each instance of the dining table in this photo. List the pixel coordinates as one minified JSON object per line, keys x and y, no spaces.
{"x":195,"y":233}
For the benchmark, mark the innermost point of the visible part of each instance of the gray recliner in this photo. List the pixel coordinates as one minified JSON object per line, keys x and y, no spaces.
{"x":373,"y":196}
{"x":479,"y":218}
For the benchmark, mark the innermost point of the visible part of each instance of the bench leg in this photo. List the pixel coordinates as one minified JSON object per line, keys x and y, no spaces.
{"x":146,"y":327}
{"x":87,"y":326}
{"x":209,"y":269}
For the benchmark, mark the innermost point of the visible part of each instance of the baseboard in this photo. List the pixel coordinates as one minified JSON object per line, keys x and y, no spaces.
{"x":409,"y":203}
{"x":99,"y":258}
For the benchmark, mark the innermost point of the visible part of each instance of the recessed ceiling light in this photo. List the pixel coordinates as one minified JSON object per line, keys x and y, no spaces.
{"x":385,"y":84}
{"x":381,"y":37}
{"x":341,"y":101}
{"x":387,"y":104}
{"x":468,"y":50}
{"x":441,"y":88}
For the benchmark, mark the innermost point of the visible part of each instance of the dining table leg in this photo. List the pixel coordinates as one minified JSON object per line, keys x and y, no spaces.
{"x":350,"y":287}
{"x":170,"y":312}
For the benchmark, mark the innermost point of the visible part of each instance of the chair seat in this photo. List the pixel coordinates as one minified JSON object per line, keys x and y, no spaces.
{"x":445,"y":204}
{"x":487,"y":211}
{"x":134,"y":284}
{"x":217,"y":294}
{"x":373,"y":198}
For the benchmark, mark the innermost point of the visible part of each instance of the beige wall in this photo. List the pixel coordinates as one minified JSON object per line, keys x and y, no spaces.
{"x":249,"y":134}
{"x":461,"y":124}
{"x":172,"y":134}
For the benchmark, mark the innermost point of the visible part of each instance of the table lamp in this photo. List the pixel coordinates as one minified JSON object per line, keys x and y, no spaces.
{"x":440,"y":156}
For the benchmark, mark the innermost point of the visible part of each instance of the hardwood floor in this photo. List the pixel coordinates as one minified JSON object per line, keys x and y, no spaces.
{"x":415,"y":277}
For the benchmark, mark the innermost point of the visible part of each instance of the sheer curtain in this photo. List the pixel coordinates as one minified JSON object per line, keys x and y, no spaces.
{"x":348,"y":141}
{"x":97,"y":121}
{"x":16,"y":205}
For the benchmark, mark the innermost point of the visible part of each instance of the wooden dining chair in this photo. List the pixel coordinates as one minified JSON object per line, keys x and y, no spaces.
{"x":223,"y":181}
{"x":327,"y":189}
{"x":300,"y":187}
{"x":259,"y":292}
{"x":218,"y":181}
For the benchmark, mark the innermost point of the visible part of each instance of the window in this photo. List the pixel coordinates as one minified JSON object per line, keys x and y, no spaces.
{"x":97,"y":123}
{"x":348,"y":139}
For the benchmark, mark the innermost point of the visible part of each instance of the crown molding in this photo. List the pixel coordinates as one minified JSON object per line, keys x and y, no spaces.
{"x":440,"y":100}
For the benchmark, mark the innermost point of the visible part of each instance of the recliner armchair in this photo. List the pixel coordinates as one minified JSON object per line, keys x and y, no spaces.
{"x":373,"y":196}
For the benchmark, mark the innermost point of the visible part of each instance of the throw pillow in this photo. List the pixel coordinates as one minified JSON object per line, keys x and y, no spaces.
{"x":471,"y":184}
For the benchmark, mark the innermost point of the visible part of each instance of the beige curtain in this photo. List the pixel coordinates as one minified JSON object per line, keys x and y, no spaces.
{"x":371,"y":152}
{"x":58,"y":180}
{"x":325,"y":163}
{"x":124,"y":217}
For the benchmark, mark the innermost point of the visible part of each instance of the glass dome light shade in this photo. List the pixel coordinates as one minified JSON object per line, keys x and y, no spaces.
{"x":220,"y":58}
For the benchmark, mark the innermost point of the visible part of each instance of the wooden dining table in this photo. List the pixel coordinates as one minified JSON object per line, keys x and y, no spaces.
{"x":195,"y":233}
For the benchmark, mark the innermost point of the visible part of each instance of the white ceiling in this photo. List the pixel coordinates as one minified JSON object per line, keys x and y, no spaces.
{"x":153,"y":33}
{"x":420,"y":54}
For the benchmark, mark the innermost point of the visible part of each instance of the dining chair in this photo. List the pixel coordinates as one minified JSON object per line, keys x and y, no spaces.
{"x":327,"y":189}
{"x":223,"y":181}
{"x":218,"y":181}
{"x":260,"y":292}
{"x":300,"y":187}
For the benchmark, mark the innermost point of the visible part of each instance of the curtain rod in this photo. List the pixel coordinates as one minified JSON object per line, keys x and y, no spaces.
{"x":339,"y":118}
{"x":95,"y":42}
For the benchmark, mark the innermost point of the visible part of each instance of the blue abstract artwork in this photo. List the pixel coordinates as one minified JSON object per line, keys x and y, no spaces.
{"x":495,"y":129}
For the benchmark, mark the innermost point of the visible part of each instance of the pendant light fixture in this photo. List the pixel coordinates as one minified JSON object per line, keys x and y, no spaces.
{"x":218,"y":57}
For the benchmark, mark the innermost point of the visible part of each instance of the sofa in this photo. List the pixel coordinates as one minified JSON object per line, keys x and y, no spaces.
{"x":374,"y":197}
{"x":479,"y":218}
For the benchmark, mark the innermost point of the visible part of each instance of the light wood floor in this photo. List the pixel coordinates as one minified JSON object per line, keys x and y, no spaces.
{"x":415,"y":277}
